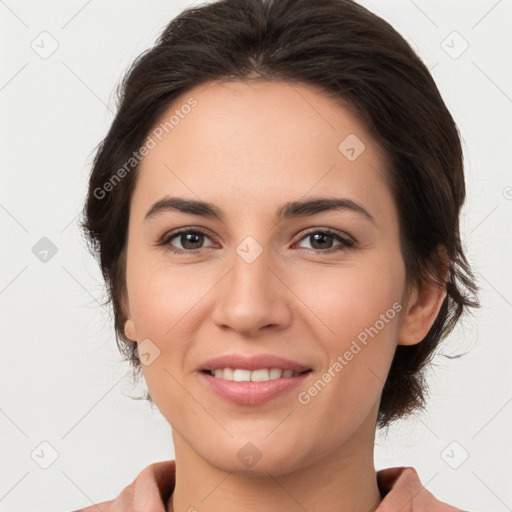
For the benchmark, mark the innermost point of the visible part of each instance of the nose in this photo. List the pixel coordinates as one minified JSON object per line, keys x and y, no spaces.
{"x":252,"y":297}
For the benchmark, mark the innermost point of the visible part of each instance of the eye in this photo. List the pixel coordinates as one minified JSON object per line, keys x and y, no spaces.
{"x":189,"y":239}
{"x":323,"y":240}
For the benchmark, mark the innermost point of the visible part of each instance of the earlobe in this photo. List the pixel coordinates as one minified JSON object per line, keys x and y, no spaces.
{"x":130,"y":331}
{"x":421,"y":312}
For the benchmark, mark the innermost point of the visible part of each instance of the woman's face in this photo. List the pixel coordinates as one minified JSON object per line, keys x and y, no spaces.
{"x":256,"y":283}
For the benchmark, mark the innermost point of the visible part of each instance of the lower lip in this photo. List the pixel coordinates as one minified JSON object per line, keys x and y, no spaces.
{"x":252,"y":393}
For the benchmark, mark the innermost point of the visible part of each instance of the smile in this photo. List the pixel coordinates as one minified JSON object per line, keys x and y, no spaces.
{"x":259,"y":375}
{"x":248,"y":390}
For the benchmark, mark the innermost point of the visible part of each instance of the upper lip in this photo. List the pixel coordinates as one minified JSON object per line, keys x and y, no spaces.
{"x":252,"y":363}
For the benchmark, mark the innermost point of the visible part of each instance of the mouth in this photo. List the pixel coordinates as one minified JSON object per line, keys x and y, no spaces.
{"x":253,"y":380}
{"x":257,"y":364}
{"x":258,"y":375}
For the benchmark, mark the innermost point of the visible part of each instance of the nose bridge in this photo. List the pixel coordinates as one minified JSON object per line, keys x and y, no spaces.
{"x":251,"y":275}
{"x":251,"y":264}
{"x":250,"y":296}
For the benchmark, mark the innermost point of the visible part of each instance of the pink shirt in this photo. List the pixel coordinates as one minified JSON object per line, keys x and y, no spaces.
{"x":400,"y":487}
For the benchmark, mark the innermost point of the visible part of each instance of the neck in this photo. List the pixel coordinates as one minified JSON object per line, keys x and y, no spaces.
{"x":343,"y":480}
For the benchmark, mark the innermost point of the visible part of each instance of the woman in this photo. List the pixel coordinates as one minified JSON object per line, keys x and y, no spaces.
{"x":276,"y":214}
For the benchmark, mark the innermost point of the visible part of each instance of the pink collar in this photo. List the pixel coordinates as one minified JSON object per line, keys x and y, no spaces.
{"x":400,"y":487}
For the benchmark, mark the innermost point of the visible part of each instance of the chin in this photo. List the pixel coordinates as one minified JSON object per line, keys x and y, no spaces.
{"x":257,"y":458}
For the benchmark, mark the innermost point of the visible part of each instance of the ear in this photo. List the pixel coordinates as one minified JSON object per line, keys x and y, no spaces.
{"x":423,"y":305}
{"x":130,"y":332}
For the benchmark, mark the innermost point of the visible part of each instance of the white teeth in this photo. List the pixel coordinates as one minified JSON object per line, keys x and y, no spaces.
{"x":242,"y":375}
{"x":275,"y":373}
{"x":226,"y":374}
{"x":260,"y":375}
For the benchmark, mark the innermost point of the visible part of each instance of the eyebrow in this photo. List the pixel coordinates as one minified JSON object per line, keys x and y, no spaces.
{"x":292,"y":209}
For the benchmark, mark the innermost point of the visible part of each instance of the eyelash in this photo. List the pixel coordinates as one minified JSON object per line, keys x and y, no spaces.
{"x":346,"y":244}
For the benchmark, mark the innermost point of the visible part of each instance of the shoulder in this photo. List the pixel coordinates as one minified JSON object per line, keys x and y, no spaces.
{"x":149,"y":490}
{"x":402,"y":490}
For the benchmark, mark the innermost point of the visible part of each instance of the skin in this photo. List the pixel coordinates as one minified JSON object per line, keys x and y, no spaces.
{"x":249,"y":148}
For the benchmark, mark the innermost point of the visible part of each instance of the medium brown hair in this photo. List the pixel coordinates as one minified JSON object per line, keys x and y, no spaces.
{"x":357,"y":59}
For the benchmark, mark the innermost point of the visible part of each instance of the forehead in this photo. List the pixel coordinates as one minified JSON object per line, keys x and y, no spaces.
{"x":258,"y":142}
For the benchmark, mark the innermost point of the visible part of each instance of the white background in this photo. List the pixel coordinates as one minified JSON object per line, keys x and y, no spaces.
{"x":62,"y":378}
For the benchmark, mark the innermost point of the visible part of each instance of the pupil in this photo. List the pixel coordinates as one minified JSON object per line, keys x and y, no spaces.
{"x":188,"y":240}
{"x":322,"y":237}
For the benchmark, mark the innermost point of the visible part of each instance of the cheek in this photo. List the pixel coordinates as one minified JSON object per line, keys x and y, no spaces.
{"x":359,"y":309}
{"x":159,"y":294}
{"x":349,"y":386}
{"x":344,"y":301}
{"x":162,"y":301}
{"x":167,"y":307}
